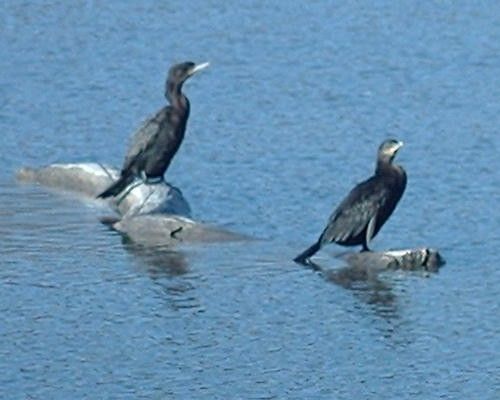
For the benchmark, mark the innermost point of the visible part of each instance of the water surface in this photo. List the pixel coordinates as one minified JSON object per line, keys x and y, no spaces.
{"x":285,"y":121}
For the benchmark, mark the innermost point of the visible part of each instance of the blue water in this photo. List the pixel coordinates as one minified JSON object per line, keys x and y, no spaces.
{"x":285,"y":121}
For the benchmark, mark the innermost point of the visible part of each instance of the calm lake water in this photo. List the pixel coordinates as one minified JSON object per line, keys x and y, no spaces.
{"x":285,"y":121}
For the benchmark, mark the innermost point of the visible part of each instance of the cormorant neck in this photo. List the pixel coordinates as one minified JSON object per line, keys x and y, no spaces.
{"x":174,"y":95}
{"x":383,"y":164}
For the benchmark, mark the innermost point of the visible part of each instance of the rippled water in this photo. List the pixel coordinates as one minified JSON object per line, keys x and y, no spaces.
{"x":284,"y":122}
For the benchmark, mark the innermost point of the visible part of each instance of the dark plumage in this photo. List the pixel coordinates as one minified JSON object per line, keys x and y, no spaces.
{"x":156,"y":142}
{"x":367,"y":207}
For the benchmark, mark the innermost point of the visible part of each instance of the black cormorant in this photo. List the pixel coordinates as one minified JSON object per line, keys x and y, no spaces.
{"x":366,"y":208}
{"x":156,"y":142}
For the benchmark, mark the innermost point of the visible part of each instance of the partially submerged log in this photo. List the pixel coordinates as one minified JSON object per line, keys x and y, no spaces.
{"x":90,"y":179}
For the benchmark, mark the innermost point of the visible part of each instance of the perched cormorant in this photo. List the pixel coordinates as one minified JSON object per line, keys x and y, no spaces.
{"x":156,"y":142}
{"x":366,"y":208}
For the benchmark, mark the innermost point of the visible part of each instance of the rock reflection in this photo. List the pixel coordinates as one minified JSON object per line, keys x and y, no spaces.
{"x":169,"y":271}
{"x":367,"y":286}
{"x":364,"y":282}
{"x":360,"y":272}
{"x":377,"y":286}
{"x":159,"y":261}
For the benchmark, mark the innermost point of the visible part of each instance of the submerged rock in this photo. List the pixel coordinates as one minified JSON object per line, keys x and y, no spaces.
{"x":422,"y":259}
{"x":351,"y":267}
{"x":171,"y":230}
{"x":361,"y":272}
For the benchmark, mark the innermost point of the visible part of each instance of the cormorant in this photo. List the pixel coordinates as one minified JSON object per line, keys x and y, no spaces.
{"x":367,"y":207}
{"x":158,"y":139}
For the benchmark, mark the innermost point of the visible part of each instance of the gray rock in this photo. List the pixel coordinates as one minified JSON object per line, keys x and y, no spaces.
{"x":351,"y":267}
{"x":422,"y":259}
{"x":90,"y":179}
{"x":150,"y":214}
{"x":171,"y":230}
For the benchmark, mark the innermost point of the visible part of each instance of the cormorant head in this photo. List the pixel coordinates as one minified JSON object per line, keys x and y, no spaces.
{"x":178,"y":73}
{"x":388,"y":149}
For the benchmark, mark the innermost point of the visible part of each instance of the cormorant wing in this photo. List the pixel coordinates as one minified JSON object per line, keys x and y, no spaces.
{"x":143,"y":138}
{"x":358,"y":211}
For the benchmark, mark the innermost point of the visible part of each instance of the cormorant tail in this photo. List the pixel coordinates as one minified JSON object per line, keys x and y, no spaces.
{"x":303,"y":257}
{"x":122,"y":182}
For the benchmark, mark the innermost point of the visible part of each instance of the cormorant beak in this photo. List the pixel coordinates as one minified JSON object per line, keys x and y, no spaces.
{"x":198,"y":67}
{"x":396,"y":147}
